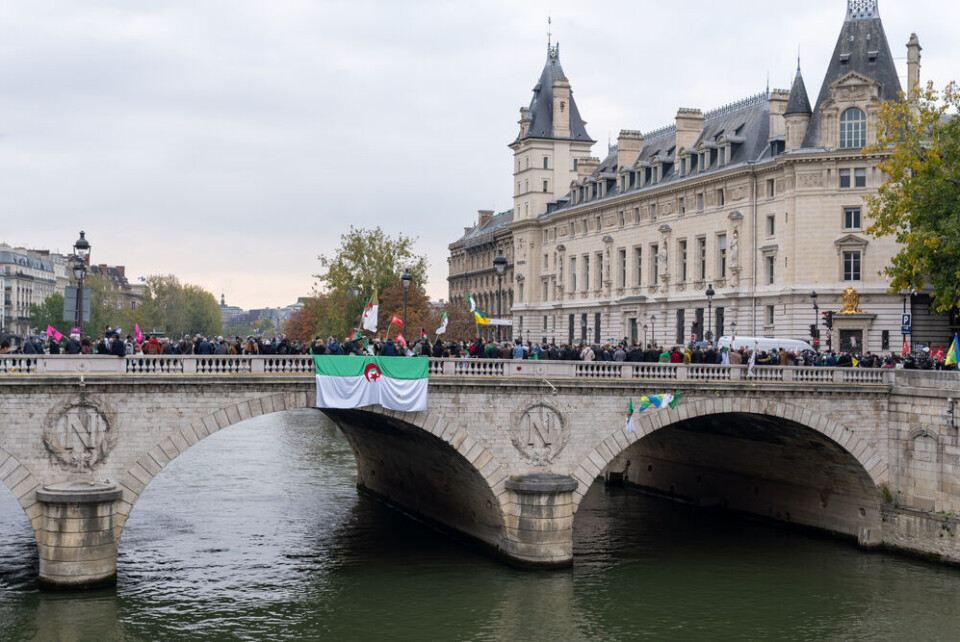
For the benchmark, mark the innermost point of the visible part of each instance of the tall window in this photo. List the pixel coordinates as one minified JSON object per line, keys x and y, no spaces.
{"x":720,"y":200}
{"x":546,"y":162}
{"x":573,"y":274}
{"x":851,"y":266}
{"x":654,"y":263}
{"x":639,"y":263}
{"x":771,"y":266}
{"x":851,"y":218}
{"x":599,"y":263}
{"x":586,"y":271}
{"x":682,"y":205}
{"x":545,"y":185}
{"x":771,"y":225}
{"x":622,"y":256}
{"x":682,"y":259}
{"x":702,"y":255}
{"x":700,"y":201}
{"x":853,"y":129}
{"x":722,"y":256}
{"x":769,"y":315}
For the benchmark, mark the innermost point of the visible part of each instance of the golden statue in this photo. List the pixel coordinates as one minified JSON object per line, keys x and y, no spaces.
{"x":851,"y":302}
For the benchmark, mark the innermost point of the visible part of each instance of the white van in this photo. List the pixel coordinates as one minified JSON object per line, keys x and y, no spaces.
{"x":763,"y":343}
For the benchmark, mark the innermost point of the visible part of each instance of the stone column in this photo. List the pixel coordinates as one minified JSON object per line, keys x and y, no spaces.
{"x":539,"y":528}
{"x":78,"y":547}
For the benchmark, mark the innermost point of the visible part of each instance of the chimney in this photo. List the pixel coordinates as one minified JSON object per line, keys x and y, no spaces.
{"x":913,"y":63}
{"x":689,"y":127}
{"x":103,"y":269}
{"x":585,"y":167}
{"x":629,"y":146}
{"x":778,"y":104}
{"x":122,"y":270}
{"x":484,"y":217}
{"x":561,"y":108}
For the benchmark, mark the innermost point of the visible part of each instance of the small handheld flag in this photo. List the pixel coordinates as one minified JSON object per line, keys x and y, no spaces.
{"x":951,"y":359}
{"x":481,"y":318}
{"x":629,"y":427}
{"x":443,"y":324}
{"x":369,"y":319}
{"x":906,"y":347}
{"x":401,"y":340}
{"x":471,"y":303}
{"x":423,"y":335}
{"x":137,"y":335}
{"x":396,"y":321}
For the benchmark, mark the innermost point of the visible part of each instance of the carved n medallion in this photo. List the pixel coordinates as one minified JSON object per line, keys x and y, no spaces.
{"x":80,"y":434}
{"x":539,"y":432}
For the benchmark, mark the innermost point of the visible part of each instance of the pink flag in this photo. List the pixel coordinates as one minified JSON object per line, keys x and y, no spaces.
{"x":51,"y":331}
{"x":137,"y":334}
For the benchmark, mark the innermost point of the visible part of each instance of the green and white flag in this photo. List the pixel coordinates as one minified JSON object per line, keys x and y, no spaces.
{"x":443,"y":324}
{"x":397,"y":383}
{"x":471,"y":303}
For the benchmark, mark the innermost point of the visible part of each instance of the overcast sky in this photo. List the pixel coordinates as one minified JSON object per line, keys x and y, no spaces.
{"x":232,"y":142}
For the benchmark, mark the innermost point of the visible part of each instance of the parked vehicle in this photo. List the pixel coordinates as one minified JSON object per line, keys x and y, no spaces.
{"x":763,"y":343}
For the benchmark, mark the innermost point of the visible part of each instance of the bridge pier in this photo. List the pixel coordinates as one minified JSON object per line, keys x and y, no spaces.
{"x":539,"y":522}
{"x":76,"y":540}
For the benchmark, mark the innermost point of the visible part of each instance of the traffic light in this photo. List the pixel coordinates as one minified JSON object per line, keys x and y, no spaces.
{"x":827,"y":319}
{"x":814,"y":331}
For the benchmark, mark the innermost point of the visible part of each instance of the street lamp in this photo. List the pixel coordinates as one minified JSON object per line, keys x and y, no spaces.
{"x":500,"y":264}
{"x":903,"y":295}
{"x":81,"y":252}
{"x":733,"y":329}
{"x":709,"y":334}
{"x":653,"y":329}
{"x":646,"y":340}
{"x":816,"y":319}
{"x":406,"y":278}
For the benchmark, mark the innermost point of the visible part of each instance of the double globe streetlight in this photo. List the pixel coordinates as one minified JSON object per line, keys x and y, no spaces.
{"x":500,"y":265}
{"x":81,"y":253}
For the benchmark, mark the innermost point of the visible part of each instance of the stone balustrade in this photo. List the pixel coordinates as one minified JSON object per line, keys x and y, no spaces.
{"x":440,"y":368}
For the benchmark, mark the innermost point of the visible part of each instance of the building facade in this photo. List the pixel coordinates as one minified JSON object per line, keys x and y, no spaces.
{"x":760,"y":202}
{"x":27,"y":280}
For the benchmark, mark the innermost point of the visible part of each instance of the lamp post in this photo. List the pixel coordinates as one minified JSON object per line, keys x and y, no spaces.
{"x":816,"y":320}
{"x":406,"y":278}
{"x":733,"y":329}
{"x":500,"y":264}
{"x":653,"y":329}
{"x":81,"y":250}
{"x":646,"y":340}
{"x":709,"y":333}
{"x":903,"y":295}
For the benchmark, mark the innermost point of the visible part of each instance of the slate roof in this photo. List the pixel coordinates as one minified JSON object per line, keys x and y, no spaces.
{"x":861,"y":38}
{"x":481,"y":234}
{"x":541,"y":105}
{"x":746,"y":123}
{"x":798,"y":103}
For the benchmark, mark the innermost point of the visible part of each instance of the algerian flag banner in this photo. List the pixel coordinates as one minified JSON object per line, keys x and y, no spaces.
{"x":397,"y":383}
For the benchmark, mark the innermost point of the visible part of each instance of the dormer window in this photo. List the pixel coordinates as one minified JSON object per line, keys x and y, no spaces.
{"x":853,"y":129}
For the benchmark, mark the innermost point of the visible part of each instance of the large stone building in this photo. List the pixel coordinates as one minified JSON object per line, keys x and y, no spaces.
{"x":27,"y":280}
{"x":760,"y":202}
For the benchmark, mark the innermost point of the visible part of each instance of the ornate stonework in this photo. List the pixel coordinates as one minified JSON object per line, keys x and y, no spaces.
{"x":79,"y":435}
{"x":539,"y":432}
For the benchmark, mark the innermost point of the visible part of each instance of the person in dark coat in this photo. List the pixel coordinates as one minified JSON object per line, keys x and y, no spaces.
{"x":389,"y":349}
{"x":117,"y":347}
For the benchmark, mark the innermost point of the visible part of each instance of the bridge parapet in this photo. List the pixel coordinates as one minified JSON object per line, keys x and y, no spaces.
{"x":441,"y":368}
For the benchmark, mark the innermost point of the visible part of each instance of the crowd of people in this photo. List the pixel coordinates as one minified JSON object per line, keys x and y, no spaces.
{"x":113,"y":342}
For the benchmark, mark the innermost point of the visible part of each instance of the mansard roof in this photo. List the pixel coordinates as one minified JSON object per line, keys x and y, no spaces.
{"x":541,"y":105}
{"x":798,"y":103}
{"x":481,"y":234}
{"x":863,"y":48}
{"x":745,"y":123}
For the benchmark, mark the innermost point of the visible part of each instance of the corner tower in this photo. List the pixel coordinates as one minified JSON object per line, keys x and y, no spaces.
{"x":552,"y":136}
{"x":860,"y":76}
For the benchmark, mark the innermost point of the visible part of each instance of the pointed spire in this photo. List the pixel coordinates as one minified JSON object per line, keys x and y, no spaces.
{"x":549,"y":33}
{"x":798,"y":103}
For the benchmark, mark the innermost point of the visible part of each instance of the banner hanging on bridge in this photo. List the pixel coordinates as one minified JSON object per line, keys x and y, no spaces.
{"x":397,"y":383}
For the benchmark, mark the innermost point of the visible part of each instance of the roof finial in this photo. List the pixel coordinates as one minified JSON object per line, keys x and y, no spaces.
{"x":798,"y":58}
{"x":862,"y":9}
{"x":768,"y":82}
{"x":549,"y":34}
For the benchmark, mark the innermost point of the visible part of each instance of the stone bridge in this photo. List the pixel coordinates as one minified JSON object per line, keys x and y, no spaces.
{"x":506,"y":450}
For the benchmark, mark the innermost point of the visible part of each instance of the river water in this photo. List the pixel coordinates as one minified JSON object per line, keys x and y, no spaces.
{"x":259,"y":533}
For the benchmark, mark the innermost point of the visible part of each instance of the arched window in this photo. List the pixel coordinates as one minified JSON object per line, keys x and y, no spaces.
{"x":853,"y":128}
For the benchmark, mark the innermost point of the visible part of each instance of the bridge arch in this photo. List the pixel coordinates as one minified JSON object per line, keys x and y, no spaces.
{"x":865,"y":470}
{"x":455,"y":456}
{"x":23,"y":484}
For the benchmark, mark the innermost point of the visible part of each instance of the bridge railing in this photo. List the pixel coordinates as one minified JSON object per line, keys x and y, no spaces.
{"x":228,"y":365}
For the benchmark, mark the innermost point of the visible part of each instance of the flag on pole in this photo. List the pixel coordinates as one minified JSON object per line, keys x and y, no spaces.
{"x":353,"y":336}
{"x":137,"y":335}
{"x":471,"y":303}
{"x":369,"y":320}
{"x":906,"y":346}
{"x":951,"y":359}
{"x":401,"y":340}
{"x":481,"y":318}
{"x":423,"y":335}
{"x":353,"y":382}
{"x":443,"y":324}
{"x":629,"y":427}
{"x":53,"y":332}
{"x":752,"y":362}
{"x":395,"y":320}
{"x":938,"y":355}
